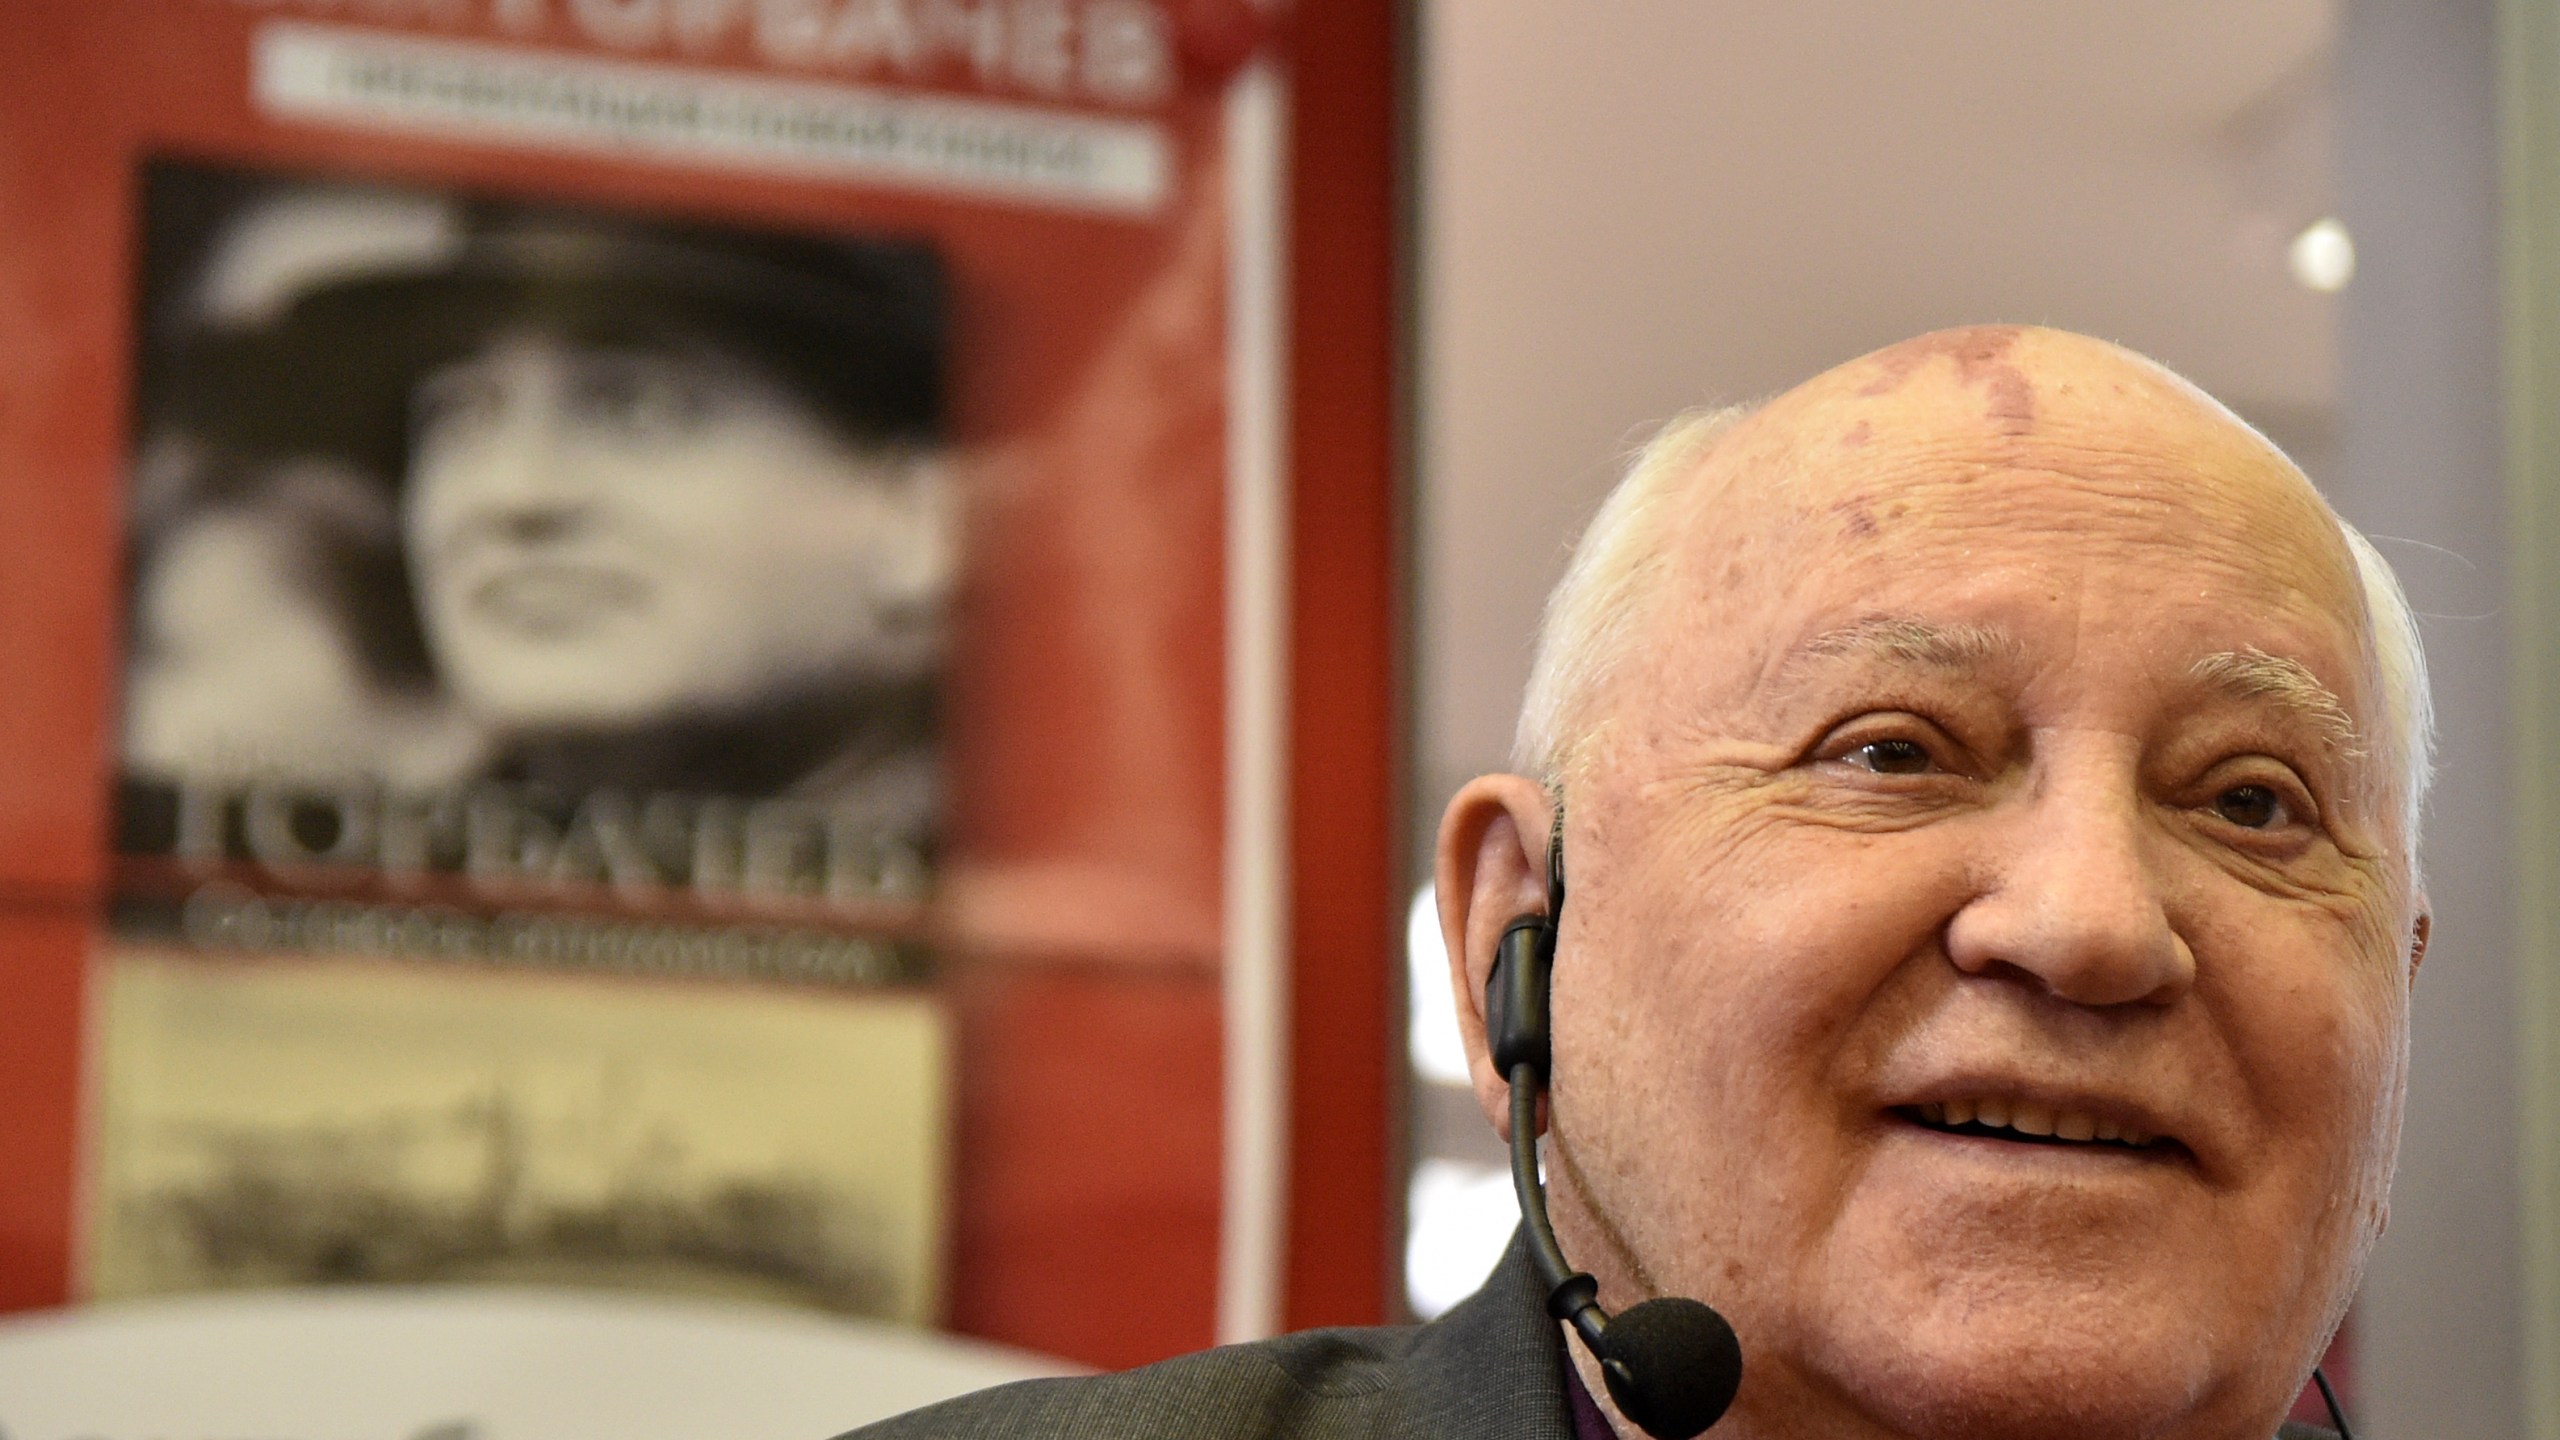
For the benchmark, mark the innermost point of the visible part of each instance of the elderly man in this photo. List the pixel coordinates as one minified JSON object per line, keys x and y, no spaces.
{"x":1986,"y":783}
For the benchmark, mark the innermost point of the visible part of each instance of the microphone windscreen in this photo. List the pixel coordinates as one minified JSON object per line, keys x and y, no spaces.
{"x":1673,"y":1366}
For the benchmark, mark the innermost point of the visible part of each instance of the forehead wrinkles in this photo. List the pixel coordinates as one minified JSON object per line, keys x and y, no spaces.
{"x":1785,"y":533}
{"x":2250,"y":512}
{"x":1790,"y":527}
{"x":2252,"y":551}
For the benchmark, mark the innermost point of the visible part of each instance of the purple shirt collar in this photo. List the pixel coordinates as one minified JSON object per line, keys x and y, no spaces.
{"x":1588,"y":1422}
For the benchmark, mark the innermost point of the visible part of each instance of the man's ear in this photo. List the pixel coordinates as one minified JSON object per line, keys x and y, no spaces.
{"x":1491,"y":869}
{"x":2419,"y":930}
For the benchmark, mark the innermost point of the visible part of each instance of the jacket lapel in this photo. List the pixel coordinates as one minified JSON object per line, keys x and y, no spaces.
{"x":1492,"y":1369}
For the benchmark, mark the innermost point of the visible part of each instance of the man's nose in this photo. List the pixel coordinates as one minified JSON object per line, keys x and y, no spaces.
{"x":2073,"y":899}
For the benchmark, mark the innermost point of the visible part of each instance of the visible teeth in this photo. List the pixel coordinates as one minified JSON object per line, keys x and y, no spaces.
{"x":2029,"y":1118}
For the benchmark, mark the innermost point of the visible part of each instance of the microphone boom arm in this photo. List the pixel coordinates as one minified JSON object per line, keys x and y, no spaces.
{"x":1571,"y":1295}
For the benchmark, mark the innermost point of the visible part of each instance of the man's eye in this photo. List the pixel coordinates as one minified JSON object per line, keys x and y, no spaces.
{"x":2252,"y":807}
{"x":1891,"y":757}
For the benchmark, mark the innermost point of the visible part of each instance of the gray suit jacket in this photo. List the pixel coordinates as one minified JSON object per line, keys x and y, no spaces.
{"x":1491,"y":1369}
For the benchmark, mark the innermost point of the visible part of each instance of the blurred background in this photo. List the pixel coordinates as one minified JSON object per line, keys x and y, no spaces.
{"x":1268,"y":433}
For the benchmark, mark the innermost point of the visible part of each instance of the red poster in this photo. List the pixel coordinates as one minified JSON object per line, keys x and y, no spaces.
{"x":782,"y":531}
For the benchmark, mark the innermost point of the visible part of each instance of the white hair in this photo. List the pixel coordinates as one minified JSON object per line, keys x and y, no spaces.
{"x":2400,"y":662}
{"x":1596,"y":618}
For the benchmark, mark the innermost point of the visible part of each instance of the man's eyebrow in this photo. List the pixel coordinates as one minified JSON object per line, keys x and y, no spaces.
{"x":1914,"y":642}
{"x":2253,"y":674}
{"x":2245,"y":675}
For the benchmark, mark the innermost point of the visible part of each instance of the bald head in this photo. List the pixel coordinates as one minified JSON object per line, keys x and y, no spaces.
{"x":2009,"y":381}
{"x":2005,"y":396}
{"x":1890,"y":450}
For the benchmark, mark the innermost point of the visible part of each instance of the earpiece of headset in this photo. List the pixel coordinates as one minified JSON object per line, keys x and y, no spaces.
{"x":1515,"y":998}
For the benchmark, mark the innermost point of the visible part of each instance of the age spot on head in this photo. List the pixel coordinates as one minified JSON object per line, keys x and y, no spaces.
{"x":1981,"y":357}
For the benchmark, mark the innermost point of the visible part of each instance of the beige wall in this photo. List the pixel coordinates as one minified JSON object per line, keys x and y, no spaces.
{"x":2420,"y":452}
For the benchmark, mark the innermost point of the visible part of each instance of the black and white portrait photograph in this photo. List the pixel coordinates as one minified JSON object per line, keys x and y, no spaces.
{"x":533,"y":541}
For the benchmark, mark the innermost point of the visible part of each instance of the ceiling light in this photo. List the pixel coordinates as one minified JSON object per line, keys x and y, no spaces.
{"x":2323,"y":257}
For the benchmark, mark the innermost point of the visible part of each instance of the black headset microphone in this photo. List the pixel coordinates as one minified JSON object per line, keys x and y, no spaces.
{"x":1672,"y":1363}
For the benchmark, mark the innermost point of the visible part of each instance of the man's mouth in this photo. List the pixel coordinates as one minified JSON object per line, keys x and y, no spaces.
{"x":2026,"y":1123}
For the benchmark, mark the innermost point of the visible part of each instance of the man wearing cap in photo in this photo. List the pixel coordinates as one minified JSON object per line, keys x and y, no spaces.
{"x":1955,"y":914}
{"x":673,"y":496}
